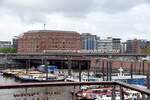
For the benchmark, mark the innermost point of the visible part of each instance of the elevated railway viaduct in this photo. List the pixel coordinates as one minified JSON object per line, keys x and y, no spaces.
{"x":66,"y":60}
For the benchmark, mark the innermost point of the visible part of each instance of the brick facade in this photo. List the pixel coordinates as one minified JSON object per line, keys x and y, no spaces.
{"x":116,"y":64}
{"x":41,"y":40}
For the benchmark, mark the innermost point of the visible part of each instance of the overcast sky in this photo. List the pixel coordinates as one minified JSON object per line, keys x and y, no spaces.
{"x":127,"y":19}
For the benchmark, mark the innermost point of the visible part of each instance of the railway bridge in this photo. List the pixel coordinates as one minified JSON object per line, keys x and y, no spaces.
{"x":65,"y":59}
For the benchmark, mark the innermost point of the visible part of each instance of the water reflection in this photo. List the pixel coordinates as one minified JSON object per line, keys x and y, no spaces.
{"x":41,"y":93}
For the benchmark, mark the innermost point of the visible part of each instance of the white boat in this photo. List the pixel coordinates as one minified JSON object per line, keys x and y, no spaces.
{"x":130,"y":95}
{"x":40,"y":77}
{"x":84,"y":78}
{"x":146,"y":58}
{"x":126,"y":77}
{"x":123,"y":77}
{"x":107,"y":97}
{"x":99,"y":94}
{"x":134,"y":95}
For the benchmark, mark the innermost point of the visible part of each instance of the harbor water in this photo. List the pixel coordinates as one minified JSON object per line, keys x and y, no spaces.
{"x":53,"y":92}
{"x":41,"y":93}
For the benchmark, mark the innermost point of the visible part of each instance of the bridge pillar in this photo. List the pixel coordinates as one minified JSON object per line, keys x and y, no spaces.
{"x":99,"y":66}
{"x":27,"y":65}
{"x":29,"y":62}
{"x":69,"y":66}
{"x":140,"y":67}
{"x":135,"y":66}
{"x":103,"y":71}
{"x":79,"y":71}
{"x":96,"y":66}
{"x":143,"y":65}
{"x":46,"y":66}
{"x":136,"y":57}
{"x":53,"y":62}
{"x":61,"y":65}
{"x":131,"y":70}
{"x":107,"y":70}
{"x":110,"y":70}
{"x":88,"y":69}
{"x":42,"y":61}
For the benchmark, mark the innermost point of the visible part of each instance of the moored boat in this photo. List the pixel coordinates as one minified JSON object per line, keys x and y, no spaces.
{"x":105,"y":93}
{"x":97,"y":94}
{"x":40,"y":77}
{"x":127,"y":78}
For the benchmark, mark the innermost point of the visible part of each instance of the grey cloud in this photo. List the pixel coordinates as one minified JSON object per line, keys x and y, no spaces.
{"x":49,"y":5}
{"x":114,"y":6}
{"x":132,"y":23}
{"x":1,"y":1}
{"x":35,"y":10}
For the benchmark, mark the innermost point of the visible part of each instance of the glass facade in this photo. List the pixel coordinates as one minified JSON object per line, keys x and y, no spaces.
{"x":89,"y":42}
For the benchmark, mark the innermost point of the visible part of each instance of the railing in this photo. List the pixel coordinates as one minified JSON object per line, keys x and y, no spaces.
{"x":63,"y":90}
{"x":74,"y":54}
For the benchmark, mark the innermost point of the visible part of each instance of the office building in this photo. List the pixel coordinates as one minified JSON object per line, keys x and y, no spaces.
{"x":38,"y":41}
{"x":5,"y":44}
{"x":89,"y":41}
{"x":105,"y":45}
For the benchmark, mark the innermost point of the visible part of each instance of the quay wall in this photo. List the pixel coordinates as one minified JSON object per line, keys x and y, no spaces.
{"x":135,"y":66}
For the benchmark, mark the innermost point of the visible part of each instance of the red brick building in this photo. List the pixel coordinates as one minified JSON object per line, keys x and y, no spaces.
{"x":44,"y":40}
{"x":137,"y":46}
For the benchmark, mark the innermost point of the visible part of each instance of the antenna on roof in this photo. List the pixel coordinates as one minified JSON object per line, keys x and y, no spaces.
{"x":44,"y":26}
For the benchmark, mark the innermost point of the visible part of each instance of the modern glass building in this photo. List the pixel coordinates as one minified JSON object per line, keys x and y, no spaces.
{"x":89,"y":42}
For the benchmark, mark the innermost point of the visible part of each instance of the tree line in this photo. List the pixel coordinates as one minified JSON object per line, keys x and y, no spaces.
{"x":8,"y":50}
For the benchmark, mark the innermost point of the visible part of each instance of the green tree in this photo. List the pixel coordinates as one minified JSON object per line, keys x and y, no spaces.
{"x":8,"y":50}
{"x":147,"y":50}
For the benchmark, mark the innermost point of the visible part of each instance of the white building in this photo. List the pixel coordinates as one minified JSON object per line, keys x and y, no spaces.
{"x":5,"y":44}
{"x":105,"y":45}
{"x":109,"y":45}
